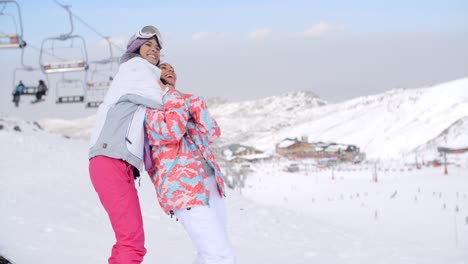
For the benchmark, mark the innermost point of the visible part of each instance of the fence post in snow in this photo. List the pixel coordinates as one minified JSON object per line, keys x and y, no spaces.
{"x":445,"y":163}
{"x":374,"y":173}
{"x":456,"y":228}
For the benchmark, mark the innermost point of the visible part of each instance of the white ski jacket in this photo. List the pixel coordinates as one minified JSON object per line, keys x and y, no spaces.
{"x":119,"y":129}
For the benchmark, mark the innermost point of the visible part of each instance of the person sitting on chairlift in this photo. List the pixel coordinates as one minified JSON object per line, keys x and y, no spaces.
{"x":41,"y":90}
{"x":20,"y":88}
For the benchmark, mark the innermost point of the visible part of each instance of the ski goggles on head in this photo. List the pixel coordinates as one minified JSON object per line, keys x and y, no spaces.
{"x":147,"y":32}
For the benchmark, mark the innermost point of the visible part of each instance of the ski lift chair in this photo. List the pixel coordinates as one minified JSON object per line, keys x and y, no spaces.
{"x":70,"y":91}
{"x":64,"y":65}
{"x":95,"y":93}
{"x":29,"y":89}
{"x":12,"y":39}
{"x":97,"y":87}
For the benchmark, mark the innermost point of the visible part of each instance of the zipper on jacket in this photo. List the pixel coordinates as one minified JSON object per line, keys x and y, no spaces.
{"x":127,"y":139}
{"x":207,"y":200}
{"x":216,"y":173}
{"x":129,"y":126}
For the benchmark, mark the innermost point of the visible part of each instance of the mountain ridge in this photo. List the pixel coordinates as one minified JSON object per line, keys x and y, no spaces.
{"x":386,"y":125}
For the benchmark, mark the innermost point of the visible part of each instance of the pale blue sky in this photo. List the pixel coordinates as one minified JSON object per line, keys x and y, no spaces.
{"x":251,"y":49}
{"x":118,"y":18}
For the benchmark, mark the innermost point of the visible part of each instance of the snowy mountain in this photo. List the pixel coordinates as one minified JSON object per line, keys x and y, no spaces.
{"x":243,"y":114}
{"x":386,"y":126}
{"x":241,"y":121}
{"x":455,"y":136}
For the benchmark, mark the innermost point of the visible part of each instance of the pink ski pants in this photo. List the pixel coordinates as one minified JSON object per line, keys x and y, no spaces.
{"x":114,"y":183}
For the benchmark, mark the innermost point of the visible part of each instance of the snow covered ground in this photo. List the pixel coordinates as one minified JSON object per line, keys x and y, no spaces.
{"x":421,"y":215}
{"x":51,"y":214}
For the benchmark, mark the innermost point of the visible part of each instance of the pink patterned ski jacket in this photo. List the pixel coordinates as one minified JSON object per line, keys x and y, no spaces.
{"x":175,"y":134}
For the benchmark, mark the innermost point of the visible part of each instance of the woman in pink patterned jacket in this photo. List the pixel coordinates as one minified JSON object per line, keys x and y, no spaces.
{"x":186,"y":175}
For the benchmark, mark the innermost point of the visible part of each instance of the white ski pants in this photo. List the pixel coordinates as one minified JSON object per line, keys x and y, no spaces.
{"x":206,"y":226}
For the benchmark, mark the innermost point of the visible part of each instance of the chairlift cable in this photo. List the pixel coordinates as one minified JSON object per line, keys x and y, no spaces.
{"x":95,"y":31}
{"x":67,"y":7}
{"x":107,"y":38}
{"x":70,"y":16}
{"x":4,"y":6}
{"x":46,"y":52}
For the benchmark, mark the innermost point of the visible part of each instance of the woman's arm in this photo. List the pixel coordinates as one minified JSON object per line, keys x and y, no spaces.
{"x":202,"y":118}
{"x":167,"y":126}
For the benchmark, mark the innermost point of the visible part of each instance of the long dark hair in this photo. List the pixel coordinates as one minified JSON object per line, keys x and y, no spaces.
{"x":3,"y":260}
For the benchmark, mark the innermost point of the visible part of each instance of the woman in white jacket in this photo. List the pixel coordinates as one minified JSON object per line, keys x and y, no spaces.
{"x":117,"y":142}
